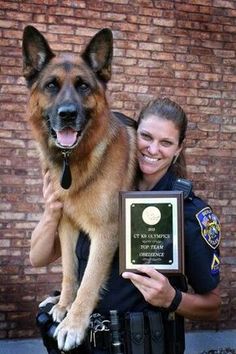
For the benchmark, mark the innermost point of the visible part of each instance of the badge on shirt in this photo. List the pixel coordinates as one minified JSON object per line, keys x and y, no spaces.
{"x":215,"y":265}
{"x":210,"y":227}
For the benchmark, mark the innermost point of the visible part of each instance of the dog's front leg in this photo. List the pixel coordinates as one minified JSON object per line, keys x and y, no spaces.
{"x":71,"y":331}
{"x":68,"y":238}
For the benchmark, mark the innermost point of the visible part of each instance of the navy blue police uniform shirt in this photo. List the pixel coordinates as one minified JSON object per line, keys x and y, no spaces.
{"x":202,"y":238}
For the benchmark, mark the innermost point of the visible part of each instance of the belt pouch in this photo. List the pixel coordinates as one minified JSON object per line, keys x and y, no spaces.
{"x":137,"y":333}
{"x":156,"y":332}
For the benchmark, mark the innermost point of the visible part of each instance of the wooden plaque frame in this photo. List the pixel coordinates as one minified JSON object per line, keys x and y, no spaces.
{"x":151,"y":231}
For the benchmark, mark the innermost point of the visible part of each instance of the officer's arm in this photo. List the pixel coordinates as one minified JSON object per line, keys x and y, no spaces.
{"x":200,"y":307}
{"x":45,"y":244}
{"x":202,"y":264}
{"x":157,"y":290}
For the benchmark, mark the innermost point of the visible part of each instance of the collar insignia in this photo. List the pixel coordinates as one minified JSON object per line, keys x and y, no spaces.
{"x":210,"y":227}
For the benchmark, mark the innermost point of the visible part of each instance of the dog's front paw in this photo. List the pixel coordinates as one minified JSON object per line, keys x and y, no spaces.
{"x":58,"y":312}
{"x":70,"y":332}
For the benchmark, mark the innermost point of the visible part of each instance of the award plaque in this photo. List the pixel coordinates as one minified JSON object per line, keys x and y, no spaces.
{"x":151,"y":231}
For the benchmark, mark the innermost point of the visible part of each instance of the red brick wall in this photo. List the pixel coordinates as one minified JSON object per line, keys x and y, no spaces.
{"x":182,"y":49}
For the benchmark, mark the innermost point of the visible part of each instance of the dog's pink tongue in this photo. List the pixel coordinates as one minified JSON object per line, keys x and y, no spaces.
{"x":66,"y":137}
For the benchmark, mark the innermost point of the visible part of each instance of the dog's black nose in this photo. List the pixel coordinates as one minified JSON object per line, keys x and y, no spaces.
{"x":67,"y":111}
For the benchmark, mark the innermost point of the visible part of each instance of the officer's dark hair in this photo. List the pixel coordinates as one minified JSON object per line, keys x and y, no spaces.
{"x":167,"y":109}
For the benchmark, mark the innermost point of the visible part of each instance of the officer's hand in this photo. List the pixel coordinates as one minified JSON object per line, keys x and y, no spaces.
{"x":50,"y":300}
{"x":53,"y":206}
{"x":154,"y":286}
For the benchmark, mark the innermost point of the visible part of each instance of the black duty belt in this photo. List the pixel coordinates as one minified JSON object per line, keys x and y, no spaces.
{"x":144,"y":333}
{"x":133,"y":333}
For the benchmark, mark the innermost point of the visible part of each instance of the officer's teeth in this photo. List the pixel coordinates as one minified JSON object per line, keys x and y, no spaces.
{"x":151,"y":159}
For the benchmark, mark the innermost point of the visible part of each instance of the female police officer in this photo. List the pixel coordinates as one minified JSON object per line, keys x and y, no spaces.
{"x":162,"y":127}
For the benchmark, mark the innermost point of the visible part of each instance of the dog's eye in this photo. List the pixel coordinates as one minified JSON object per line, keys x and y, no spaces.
{"x":82,"y":86}
{"x":52,"y":86}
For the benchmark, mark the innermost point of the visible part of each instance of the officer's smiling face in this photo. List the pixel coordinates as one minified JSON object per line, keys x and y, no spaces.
{"x":158,"y":144}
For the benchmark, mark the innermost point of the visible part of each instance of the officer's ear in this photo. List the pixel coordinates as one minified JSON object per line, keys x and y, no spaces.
{"x":178,"y":151}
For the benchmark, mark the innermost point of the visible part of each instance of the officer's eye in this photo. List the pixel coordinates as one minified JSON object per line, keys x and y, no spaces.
{"x":145,"y":136}
{"x":166,"y":143}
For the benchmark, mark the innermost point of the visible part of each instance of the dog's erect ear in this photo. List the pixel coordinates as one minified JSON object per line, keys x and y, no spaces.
{"x":98,"y":54}
{"x":36,"y":53}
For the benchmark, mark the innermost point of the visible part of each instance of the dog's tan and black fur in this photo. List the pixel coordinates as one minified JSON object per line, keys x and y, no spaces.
{"x":68,"y":111}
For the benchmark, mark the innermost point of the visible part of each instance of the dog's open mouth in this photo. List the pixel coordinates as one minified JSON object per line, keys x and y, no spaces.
{"x":67,"y":138}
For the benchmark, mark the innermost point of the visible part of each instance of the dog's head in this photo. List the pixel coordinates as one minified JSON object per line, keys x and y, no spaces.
{"x":65,"y":89}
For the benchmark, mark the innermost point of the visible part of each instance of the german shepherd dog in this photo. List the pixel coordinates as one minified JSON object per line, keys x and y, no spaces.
{"x":81,"y":139}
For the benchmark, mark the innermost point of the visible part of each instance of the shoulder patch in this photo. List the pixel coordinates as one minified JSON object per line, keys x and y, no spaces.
{"x":215,"y":265}
{"x":210,"y":227}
